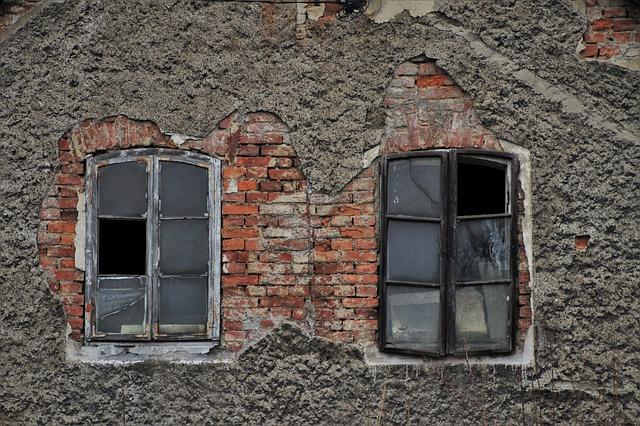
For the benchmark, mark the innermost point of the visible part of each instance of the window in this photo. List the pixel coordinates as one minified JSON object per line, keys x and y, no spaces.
{"x":152,"y":246}
{"x":448,"y":261}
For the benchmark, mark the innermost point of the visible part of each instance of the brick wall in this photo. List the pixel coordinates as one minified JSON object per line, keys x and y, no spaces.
{"x":613,"y":28}
{"x":287,"y":253}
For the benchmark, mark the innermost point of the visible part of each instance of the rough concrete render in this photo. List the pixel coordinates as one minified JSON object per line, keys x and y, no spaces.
{"x":183,"y":67}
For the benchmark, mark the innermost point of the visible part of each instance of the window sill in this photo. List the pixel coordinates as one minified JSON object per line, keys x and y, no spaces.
{"x":524,"y":356}
{"x":128,"y":352}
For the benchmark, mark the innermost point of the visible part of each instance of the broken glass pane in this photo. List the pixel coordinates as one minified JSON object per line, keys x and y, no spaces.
{"x":183,"y":189}
{"x":482,"y":189}
{"x":122,"y":189}
{"x":184,"y":246}
{"x":413,"y":318}
{"x":122,"y":246}
{"x":120,"y":306}
{"x":413,"y":251}
{"x":414,"y":187}
{"x":183,"y":305}
{"x":482,"y":317}
{"x":482,"y":250}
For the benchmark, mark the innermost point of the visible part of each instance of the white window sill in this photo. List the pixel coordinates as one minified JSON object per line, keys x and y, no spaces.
{"x":128,"y":352}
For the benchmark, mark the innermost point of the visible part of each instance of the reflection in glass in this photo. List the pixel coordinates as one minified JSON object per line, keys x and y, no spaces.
{"x":120,"y":306}
{"x":122,"y":189}
{"x":413,"y":318}
{"x":122,"y":246}
{"x":413,"y":251}
{"x":482,"y":317}
{"x":183,"y":305}
{"x":414,"y":187}
{"x":184,"y":246}
{"x":482,"y":250}
{"x":183,"y":189}
{"x":482,"y":189}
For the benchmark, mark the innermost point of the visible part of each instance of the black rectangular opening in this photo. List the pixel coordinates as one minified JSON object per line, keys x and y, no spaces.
{"x":482,"y":189}
{"x":122,"y":246}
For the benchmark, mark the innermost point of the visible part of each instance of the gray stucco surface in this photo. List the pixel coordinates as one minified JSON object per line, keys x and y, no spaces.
{"x":188,"y":64}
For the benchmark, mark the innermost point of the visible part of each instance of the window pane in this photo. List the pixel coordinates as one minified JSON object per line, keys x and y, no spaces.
{"x":183,"y":305}
{"x":413,"y":251}
{"x":482,"y":189}
{"x":482,"y":250}
{"x":183,"y":189}
{"x":414,"y":187}
{"x":413,"y":318}
{"x":122,"y":189}
{"x":482,"y":317}
{"x":120,"y":306}
{"x":122,"y":246}
{"x":184,"y":246}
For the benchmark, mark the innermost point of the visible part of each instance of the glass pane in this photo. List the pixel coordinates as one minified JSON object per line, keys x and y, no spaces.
{"x":414,"y":187}
{"x":413,"y":251}
{"x":482,"y":317}
{"x":183,"y":189}
{"x":413,"y":318}
{"x":183,"y":306}
{"x":122,"y":189}
{"x":184,"y":246}
{"x":482,"y":189}
{"x":482,"y":250}
{"x":122,"y":246}
{"x":120,"y":306}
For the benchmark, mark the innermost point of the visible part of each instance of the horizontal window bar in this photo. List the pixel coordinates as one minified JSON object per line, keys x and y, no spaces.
{"x":107,"y":216}
{"x":413,"y":218}
{"x":484,"y":216}
{"x":121,"y":277}
{"x":183,"y":276}
{"x":183,"y":217}
{"x":411,"y":283}
{"x":464,"y":283}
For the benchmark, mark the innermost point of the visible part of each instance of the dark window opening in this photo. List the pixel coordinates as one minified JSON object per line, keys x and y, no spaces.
{"x":482,"y":189}
{"x":122,"y":246}
{"x":448,"y":281}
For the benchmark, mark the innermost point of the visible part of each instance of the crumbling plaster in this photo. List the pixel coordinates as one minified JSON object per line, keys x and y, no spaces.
{"x":186,"y":65}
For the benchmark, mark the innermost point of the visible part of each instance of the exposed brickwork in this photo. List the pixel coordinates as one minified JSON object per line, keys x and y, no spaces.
{"x":11,"y":11}
{"x":613,"y":28}
{"x":287,"y":253}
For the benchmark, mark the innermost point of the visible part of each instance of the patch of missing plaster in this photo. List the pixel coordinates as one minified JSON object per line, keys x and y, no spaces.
{"x":370,"y":155}
{"x":385,"y":10}
{"x":80,"y":233}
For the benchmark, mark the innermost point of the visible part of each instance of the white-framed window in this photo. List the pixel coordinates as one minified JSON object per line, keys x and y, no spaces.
{"x":152,"y":246}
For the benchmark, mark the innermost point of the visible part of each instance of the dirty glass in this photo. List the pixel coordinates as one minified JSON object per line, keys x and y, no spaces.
{"x":122,"y":189}
{"x":482,"y":317}
{"x":184,"y":246}
{"x":120,"y":306}
{"x":183,"y":189}
{"x":483,"y":250}
{"x":413,"y":251}
{"x":482,"y":189}
{"x":183,"y":305}
{"x":413,"y":318}
{"x":413,"y":187}
{"x":122,"y":246}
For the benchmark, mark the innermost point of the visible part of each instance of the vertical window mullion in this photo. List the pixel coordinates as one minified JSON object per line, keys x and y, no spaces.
{"x":444,"y":250}
{"x":213,"y":206}
{"x":451,"y":261}
{"x":154,"y":250}
{"x":91,"y":266}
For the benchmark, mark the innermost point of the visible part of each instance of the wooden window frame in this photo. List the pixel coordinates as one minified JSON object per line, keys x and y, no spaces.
{"x":449,"y":167}
{"x":152,"y":158}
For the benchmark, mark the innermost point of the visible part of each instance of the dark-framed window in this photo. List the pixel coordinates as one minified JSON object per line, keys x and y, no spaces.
{"x":448,"y":258}
{"x":152,"y":246}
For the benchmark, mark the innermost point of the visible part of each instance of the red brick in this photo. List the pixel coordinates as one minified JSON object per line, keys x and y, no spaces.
{"x":354,"y":302}
{"x":239,"y":233}
{"x":247,"y":185}
{"x":608,"y":51}
{"x":590,"y":51}
{"x":232,"y":172}
{"x":270,"y":186}
{"x":601,"y":24}
{"x":285,"y":174}
{"x":278,"y":150}
{"x":239,"y":209}
{"x":61,"y":227}
{"x":614,"y":12}
{"x":624,"y":24}
{"x":233,"y":244}
{"x":277,"y":301}
{"x":255,"y":161}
